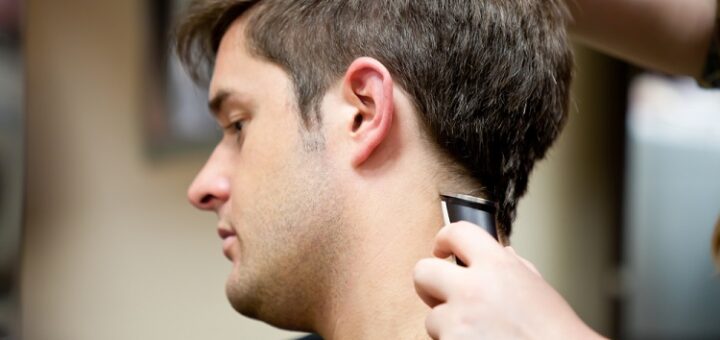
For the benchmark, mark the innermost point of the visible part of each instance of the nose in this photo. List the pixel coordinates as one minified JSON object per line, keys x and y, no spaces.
{"x":211,"y":187}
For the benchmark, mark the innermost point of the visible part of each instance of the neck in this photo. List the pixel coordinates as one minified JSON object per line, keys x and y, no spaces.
{"x":374,"y":297}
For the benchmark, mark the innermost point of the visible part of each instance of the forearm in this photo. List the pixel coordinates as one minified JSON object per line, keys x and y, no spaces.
{"x":667,"y":35}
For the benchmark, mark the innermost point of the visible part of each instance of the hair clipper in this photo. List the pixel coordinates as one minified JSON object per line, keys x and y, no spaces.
{"x":457,"y":207}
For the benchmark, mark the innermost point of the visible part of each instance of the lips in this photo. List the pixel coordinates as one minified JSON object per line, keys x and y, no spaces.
{"x":225,"y":233}
{"x":229,"y":238}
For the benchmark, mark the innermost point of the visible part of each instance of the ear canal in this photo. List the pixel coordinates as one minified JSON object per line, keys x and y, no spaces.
{"x":357,"y":122}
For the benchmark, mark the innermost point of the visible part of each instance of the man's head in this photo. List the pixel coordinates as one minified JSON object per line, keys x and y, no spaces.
{"x":334,"y":93}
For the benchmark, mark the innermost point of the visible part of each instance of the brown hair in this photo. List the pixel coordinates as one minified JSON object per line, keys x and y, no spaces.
{"x":489,"y":78}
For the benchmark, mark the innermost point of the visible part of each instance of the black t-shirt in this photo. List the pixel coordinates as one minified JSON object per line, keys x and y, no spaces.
{"x":311,"y":337}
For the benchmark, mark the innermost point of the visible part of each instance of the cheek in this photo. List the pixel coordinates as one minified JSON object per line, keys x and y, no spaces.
{"x":261,"y":154}
{"x":265,"y":161}
{"x":262,"y":170}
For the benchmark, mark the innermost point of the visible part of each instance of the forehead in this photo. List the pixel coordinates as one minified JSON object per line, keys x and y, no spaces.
{"x":236,"y":70}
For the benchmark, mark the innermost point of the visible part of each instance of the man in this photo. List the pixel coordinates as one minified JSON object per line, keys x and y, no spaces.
{"x":344,"y":121}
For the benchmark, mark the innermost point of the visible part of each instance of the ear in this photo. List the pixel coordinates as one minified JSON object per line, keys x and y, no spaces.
{"x":368,"y":87}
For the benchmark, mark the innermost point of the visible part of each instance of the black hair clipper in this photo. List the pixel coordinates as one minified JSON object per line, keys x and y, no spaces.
{"x":456,"y":207}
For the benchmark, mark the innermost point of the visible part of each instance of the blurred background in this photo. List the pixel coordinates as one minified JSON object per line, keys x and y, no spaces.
{"x":100,"y":134}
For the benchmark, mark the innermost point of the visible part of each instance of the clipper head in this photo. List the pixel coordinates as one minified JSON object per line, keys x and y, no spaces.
{"x":458,"y":207}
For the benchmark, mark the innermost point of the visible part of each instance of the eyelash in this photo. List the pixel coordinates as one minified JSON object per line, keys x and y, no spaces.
{"x":236,"y":128}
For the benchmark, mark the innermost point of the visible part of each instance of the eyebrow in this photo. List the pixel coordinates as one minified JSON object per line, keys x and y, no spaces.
{"x":217,"y":101}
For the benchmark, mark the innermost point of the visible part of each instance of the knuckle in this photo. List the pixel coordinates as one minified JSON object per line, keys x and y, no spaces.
{"x":453,"y":231}
{"x":464,"y":224}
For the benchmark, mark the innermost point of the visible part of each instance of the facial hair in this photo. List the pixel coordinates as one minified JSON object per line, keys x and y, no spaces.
{"x":288,"y":264}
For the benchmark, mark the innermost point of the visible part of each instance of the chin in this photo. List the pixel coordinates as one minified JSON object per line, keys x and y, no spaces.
{"x":260,"y":304}
{"x":242,"y":301}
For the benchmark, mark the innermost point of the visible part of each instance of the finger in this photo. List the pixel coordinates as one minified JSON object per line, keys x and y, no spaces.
{"x":435,"y":279}
{"x":437,"y":320}
{"x":465,"y":240}
{"x":528,"y":264}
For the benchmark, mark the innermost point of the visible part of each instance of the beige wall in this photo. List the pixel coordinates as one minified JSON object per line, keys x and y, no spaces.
{"x":112,"y":249}
{"x":567,"y":222}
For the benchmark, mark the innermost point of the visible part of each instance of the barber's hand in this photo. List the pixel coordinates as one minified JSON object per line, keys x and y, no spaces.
{"x":499,"y":295}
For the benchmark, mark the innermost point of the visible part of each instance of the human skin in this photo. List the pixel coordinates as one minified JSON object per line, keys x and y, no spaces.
{"x":266,"y":189}
{"x":482,"y":300}
{"x":321,"y":239}
{"x":672,"y":36}
{"x":499,"y":295}
{"x":324,"y":228}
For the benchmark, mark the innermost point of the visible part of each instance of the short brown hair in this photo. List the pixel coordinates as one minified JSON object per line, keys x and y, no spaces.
{"x":489,"y":78}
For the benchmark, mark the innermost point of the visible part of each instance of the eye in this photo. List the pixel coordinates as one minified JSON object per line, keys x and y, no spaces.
{"x":235,"y":129}
{"x":237,"y":126}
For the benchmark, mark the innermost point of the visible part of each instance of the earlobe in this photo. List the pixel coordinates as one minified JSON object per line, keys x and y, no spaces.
{"x":369,"y":87}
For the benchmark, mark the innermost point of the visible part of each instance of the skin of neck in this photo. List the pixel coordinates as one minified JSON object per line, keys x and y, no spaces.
{"x":393,"y":206}
{"x":374,"y":297}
